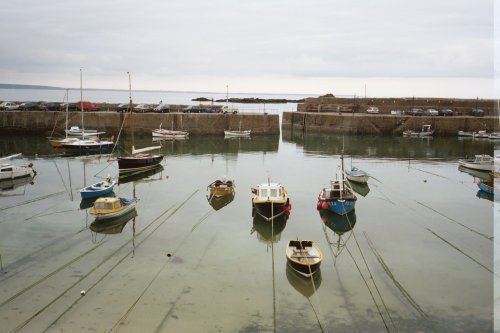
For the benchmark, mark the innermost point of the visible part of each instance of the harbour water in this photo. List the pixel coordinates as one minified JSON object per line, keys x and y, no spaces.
{"x":416,"y":256}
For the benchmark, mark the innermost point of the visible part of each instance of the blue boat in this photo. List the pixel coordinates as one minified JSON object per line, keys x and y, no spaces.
{"x":99,"y":189}
{"x":339,"y":197}
{"x":486,"y":186}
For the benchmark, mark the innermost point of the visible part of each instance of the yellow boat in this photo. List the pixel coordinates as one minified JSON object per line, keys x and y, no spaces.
{"x":112,"y":207}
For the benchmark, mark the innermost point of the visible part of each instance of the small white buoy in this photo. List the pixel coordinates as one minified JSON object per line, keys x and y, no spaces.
{"x":82,"y":292}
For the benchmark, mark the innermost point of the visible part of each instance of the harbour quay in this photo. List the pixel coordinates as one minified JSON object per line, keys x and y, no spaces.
{"x":54,"y":122}
{"x":330,"y":114}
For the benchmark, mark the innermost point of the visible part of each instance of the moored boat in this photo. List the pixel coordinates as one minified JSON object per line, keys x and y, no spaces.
{"x":98,"y":189}
{"x":270,"y":200}
{"x":112,"y":225}
{"x":93,"y":144}
{"x":356,"y":175}
{"x":479,"y":162}
{"x":426,"y":130}
{"x":10,"y":171}
{"x":169,"y":134}
{"x":304,"y":256}
{"x":112,"y":207}
{"x":219,"y":188}
{"x":486,"y":186}
{"x":76,"y":131}
{"x":237,"y":134}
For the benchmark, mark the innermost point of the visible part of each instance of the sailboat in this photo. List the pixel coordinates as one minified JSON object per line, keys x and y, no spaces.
{"x":237,"y":133}
{"x":58,"y":142}
{"x":139,"y":159}
{"x":87,"y":144}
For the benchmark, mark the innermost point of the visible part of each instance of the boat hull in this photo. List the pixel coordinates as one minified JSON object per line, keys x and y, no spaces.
{"x":96,"y":190}
{"x":269,"y":209}
{"x":115,"y":214}
{"x":15,"y":172}
{"x":237,"y":134}
{"x":167,"y":134}
{"x":486,"y":187}
{"x":138,"y":163}
{"x":476,"y":166}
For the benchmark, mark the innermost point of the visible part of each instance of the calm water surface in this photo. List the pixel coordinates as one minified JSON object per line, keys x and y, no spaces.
{"x":419,"y":257}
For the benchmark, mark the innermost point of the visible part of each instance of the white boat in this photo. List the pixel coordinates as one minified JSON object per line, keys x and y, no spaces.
{"x":169,"y":134}
{"x":79,"y":132}
{"x":481,"y":134}
{"x":93,"y":144}
{"x":425,"y":131}
{"x":10,"y":171}
{"x":237,"y":134}
{"x":356,"y":175}
{"x":465,"y":134}
{"x":494,"y":136}
{"x":270,"y":200}
{"x":479,"y":162}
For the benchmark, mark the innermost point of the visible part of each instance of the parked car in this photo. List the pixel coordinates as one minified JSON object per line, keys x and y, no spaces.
{"x":396,"y":112}
{"x":193,"y":109}
{"x":372,"y":109}
{"x":477,"y":113}
{"x":446,"y":112}
{"x":123,"y":107}
{"x":31,"y":106}
{"x":51,"y":106}
{"x":87,"y":106}
{"x":431,"y":112}
{"x":162,"y":108}
{"x":8,"y":106}
{"x":415,"y":112}
{"x":69,"y":106}
{"x":141,"y":108}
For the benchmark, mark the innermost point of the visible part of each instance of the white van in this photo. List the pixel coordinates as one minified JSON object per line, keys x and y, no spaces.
{"x":372,"y":109}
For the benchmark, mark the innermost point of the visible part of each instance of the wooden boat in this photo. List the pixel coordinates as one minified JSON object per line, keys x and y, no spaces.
{"x":270,"y":200}
{"x":139,"y":159}
{"x":221,"y":201}
{"x":112,"y":225}
{"x":169,"y":134}
{"x":479,"y":162}
{"x":220,"y":188}
{"x":111,"y":207}
{"x":304,"y":256}
{"x":426,"y":130}
{"x":486,"y":186}
{"x":356,"y":175}
{"x":339,"y":197}
{"x":98,"y":189}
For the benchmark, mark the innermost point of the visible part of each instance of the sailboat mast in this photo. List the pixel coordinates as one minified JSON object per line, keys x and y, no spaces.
{"x":67,"y":109}
{"x":81,"y":102}
{"x":227,"y":95}
{"x":130,"y":108}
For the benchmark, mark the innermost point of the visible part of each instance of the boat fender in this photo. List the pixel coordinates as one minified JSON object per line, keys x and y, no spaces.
{"x":324,"y":205}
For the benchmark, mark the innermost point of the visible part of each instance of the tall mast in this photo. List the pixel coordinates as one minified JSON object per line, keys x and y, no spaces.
{"x":227,"y":95}
{"x":67,"y":109}
{"x":130,"y":108}
{"x":81,"y":102}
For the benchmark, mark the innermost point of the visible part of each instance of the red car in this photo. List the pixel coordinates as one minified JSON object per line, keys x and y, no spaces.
{"x":87,"y":106}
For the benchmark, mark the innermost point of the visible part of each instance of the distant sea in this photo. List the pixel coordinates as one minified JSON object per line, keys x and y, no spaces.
{"x":33,"y":94}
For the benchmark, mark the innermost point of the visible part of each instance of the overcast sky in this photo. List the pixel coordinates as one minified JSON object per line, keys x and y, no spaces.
{"x":441,"y":48}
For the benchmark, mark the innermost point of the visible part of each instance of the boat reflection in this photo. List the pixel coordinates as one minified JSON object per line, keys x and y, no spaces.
{"x":306,"y":286}
{"x":112,"y":226}
{"x":339,"y":224}
{"x":269,"y":231}
{"x":12,"y":184}
{"x":359,"y":188}
{"x":485,"y":195}
{"x":475,"y":173}
{"x":87,"y":203}
{"x":138,"y":175}
{"x":218,"y":202}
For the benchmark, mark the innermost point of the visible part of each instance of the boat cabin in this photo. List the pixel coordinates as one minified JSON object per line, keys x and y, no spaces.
{"x":426,"y":128}
{"x":270,"y":191}
{"x":103,"y":205}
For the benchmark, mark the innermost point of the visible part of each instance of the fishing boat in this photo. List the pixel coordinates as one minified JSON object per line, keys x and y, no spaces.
{"x":479,"y":162}
{"x":112,"y":207}
{"x":98,"y":189}
{"x":304,"y":256}
{"x":339,"y":197}
{"x":270,"y":200}
{"x":139,"y":159}
{"x":426,"y":130}
{"x":357,"y":176}
{"x":169,"y":134}
{"x":486,"y":186}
